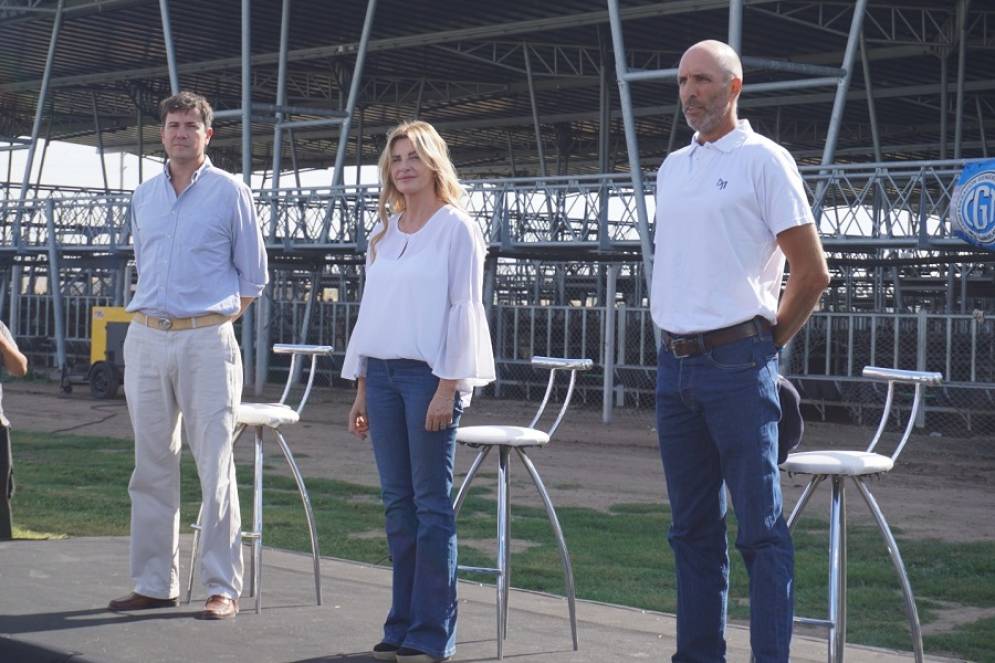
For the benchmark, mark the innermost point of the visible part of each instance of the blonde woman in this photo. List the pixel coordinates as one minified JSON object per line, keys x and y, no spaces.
{"x":420,"y":345}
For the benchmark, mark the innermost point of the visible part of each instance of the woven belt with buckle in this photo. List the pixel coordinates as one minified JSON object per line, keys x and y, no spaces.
{"x":180,"y":324}
{"x":692,"y":345}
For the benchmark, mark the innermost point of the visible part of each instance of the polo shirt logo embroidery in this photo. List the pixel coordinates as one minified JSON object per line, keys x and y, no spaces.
{"x":721,"y":184}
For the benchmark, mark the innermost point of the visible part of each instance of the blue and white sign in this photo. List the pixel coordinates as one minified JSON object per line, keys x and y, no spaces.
{"x":972,"y":207}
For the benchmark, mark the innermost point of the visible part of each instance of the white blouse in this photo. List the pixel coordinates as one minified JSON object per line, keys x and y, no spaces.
{"x":423,"y":300}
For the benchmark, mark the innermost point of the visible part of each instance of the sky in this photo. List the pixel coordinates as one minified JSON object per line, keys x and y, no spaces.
{"x":68,"y":164}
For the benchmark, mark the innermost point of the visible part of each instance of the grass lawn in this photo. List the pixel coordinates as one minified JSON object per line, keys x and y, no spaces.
{"x":77,"y":486}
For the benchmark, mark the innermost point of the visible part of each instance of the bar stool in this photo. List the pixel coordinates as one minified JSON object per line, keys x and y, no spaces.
{"x":271,"y":416}
{"x":518,"y":438}
{"x":858,"y":465}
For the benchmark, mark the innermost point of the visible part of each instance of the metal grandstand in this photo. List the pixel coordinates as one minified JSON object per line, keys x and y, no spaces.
{"x":551,"y":110}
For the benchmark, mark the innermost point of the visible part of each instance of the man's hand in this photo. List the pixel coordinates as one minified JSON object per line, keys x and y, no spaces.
{"x":807,"y":279}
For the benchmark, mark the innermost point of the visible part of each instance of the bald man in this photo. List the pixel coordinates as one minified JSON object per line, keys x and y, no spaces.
{"x":730,"y":208}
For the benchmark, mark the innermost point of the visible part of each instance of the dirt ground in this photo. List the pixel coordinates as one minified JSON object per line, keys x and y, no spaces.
{"x":942,"y":487}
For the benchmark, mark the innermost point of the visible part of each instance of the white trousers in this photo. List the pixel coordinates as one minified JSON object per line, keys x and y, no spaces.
{"x":193,"y":377}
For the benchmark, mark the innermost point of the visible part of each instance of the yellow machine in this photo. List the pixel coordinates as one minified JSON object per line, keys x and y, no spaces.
{"x":109,"y":325}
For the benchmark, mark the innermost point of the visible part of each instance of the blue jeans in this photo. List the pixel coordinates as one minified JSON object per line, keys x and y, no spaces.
{"x":717,"y":417}
{"x":416,"y":476}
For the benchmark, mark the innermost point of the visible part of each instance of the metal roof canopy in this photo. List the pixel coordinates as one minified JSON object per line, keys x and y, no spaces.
{"x":464,"y":66}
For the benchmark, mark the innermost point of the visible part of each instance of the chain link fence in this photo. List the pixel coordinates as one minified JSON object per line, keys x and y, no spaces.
{"x":825,"y":359}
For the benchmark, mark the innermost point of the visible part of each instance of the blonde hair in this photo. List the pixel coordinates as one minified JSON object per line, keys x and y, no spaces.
{"x":434,"y":153}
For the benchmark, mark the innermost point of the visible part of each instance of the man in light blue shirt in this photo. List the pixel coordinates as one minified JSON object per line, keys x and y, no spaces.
{"x":201,"y":261}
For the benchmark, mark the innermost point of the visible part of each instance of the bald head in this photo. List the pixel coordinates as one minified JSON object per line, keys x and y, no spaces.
{"x":722,"y":54}
{"x":710,"y":78}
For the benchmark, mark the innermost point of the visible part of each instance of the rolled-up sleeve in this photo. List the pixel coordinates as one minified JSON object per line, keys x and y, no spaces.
{"x":466,"y":353}
{"x":248,"y":248}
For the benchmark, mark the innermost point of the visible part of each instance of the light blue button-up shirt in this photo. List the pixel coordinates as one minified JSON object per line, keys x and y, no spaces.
{"x":198,"y":252}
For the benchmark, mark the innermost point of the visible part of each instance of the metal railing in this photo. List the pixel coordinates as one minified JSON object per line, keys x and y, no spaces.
{"x":896,"y":205}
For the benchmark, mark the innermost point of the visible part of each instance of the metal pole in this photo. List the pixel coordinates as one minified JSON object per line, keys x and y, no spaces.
{"x":359,"y":149}
{"x":247,"y":325}
{"x":839,"y":103}
{"x":604,"y":139}
{"x":281,"y":100}
{"x":673,"y":126}
{"x":54,"y":285}
{"x":871,"y":112}
{"x":100,"y":140}
{"x":44,"y":151}
{"x":535,"y":111}
{"x":604,"y":107}
{"x":418,"y":99}
{"x":354,"y":85}
{"x":293,"y":157}
{"x":36,"y":126}
{"x":843,"y":84}
{"x":306,"y":321}
{"x":632,"y":144}
{"x":608,"y":384}
{"x":981,"y":128}
{"x":16,"y":276}
{"x":167,"y":38}
{"x":262,"y":335}
{"x":944,"y":83}
{"x":736,"y":25}
{"x":141,"y":146}
{"x":961,"y":58}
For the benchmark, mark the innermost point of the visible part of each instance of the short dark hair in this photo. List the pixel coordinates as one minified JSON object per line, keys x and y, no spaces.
{"x":184,"y":102}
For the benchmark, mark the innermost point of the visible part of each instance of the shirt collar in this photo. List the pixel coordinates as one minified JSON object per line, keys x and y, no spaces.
{"x":729,"y":142}
{"x":204,"y":166}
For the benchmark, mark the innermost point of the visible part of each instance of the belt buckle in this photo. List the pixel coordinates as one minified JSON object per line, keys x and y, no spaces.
{"x":683,"y":342}
{"x":164,"y":323}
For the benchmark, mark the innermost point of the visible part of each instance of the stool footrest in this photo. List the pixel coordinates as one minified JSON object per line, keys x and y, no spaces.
{"x":810,"y":621}
{"x":478,"y":569}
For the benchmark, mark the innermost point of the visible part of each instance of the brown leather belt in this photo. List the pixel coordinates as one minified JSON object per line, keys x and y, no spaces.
{"x":692,"y":345}
{"x":181,"y":324}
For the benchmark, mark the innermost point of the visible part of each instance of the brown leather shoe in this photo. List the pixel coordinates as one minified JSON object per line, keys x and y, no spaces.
{"x":135,"y":601}
{"x":219,"y":607}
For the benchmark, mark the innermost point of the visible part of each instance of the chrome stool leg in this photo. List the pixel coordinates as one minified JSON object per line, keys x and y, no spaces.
{"x":470,"y":474}
{"x":309,"y":512}
{"x":896,"y":559}
{"x":803,"y":499}
{"x":502,"y":549}
{"x":506,"y":575}
{"x":256,"y":535}
{"x":837,"y":573}
{"x":568,"y":574}
{"x":194,"y":552}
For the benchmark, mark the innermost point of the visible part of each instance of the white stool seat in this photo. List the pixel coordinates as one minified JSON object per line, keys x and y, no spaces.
{"x":844,"y":463}
{"x":272,"y":415}
{"x":508,"y":436}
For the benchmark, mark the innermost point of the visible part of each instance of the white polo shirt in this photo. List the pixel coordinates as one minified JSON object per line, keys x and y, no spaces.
{"x":719,"y":209}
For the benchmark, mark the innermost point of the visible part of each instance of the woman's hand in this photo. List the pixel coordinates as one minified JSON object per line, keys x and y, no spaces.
{"x":358,"y":423}
{"x":440,"y":409}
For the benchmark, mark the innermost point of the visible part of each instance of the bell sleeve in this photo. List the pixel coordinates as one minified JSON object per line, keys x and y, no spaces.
{"x":466,"y":353}
{"x":354,"y":363}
